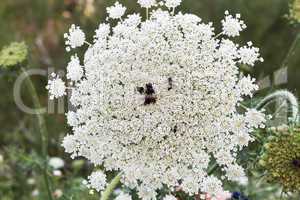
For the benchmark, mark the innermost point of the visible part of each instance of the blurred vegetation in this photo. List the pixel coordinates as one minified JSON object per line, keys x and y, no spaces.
{"x":41,"y":24}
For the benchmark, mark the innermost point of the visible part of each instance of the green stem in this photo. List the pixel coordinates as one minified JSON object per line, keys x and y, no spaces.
{"x":43,"y":131}
{"x":291,"y":50}
{"x":212,"y":169}
{"x":110,"y":188}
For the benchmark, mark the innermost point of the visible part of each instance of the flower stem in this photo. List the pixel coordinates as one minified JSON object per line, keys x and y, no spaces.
{"x":291,"y":51}
{"x":110,"y":188}
{"x":212,"y":169}
{"x":43,"y":131}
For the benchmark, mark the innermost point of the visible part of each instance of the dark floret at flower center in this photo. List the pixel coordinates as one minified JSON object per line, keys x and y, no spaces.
{"x":296,"y":162}
{"x":149,"y":89}
{"x":149,"y":93}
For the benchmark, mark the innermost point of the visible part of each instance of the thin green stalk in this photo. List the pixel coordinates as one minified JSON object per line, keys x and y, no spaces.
{"x":110,"y":188}
{"x":291,"y":51}
{"x":212,"y":169}
{"x":43,"y":131}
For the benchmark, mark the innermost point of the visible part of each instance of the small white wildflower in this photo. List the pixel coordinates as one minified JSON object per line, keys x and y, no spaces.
{"x":169,"y":197}
{"x":56,"y":162}
{"x":31,"y":181}
{"x":35,"y":193}
{"x":212,"y":185}
{"x":123,"y":196}
{"x":235,"y":173}
{"x":56,"y":87}
{"x":75,"y":37}
{"x":97,"y":181}
{"x":172,"y":3}
{"x":255,"y":118}
{"x":147,"y":3}
{"x":69,"y":143}
{"x":58,"y":193}
{"x":1,"y":158}
{"x":74,"y":69}
{"x":102,"y":31}
{"x":232,"y":26}
{"x":246,"y":85}
{"x":116,"y":11}
{"x":72,"y":118}
{"x":57,"y":173}
{"x":249,"y":54}
{"x":133,"y":20}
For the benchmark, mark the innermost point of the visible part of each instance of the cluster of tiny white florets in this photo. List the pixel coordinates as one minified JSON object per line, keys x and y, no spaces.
{"x":116,"y":11}
{"x":157,"y":100}
{"x":172,"y":3}
{"x":97,"y":181}
{"x":123,"y":196}
{"x":232,"y":26}
{"x":170,"y":197}
{"x":74,"y":69}
{"x":147,"y":3}
{"x":75,"y":38}
{"x":56,"y":86}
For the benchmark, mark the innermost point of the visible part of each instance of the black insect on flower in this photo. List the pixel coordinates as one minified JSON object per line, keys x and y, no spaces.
{"x":170,"y":81}
{"x":149,"y":89}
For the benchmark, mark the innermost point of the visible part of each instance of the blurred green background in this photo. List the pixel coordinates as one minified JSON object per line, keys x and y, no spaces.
{"x":41,"y":24}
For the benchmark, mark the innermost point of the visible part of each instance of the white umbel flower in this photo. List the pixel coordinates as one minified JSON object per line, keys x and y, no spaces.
{"x":158,"y":101}
{"x":116,"y":11}
{"x":74,"y":69}
{"x":147,"y":3}
{"x":249,"y":55}
{"x":56,"y":87}
{"x":75,"y":37}
{"x":169,"y":197}
{"x":123,"y":196}
{"x":97,"y":181}
{"x":172,"y":3}
{"x":56,"y":162}
{"x":235,"y":173}
{"x":232,"y":26}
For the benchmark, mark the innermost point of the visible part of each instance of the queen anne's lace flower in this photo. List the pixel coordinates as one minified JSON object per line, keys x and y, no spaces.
{"x":169,"y":197}
{"x":123,"y":196}
{"x":147,"y":3}
{"x":172,"y":3}
{"x":75,"y":37}
{"x":232,"y":26}
{"x":116,"y":11}
{"x":74,"y":69}
{"x":158,"y":101}
{"x":97,"y":181}
{"x":249,"y":55}
{"x":56,"y":87}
